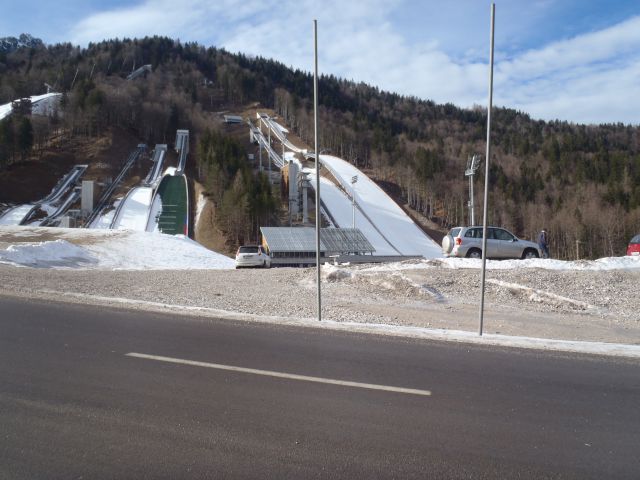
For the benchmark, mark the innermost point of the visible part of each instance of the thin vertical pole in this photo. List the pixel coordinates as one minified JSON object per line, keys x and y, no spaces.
{"x":268,"y":151}
{"x":317,"y":150}
{"x":473,"y":205}
{"x":486,"y":172}
{"x":353,"y":205}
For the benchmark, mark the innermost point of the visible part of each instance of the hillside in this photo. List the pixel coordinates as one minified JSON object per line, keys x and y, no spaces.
{"x":581,"y":182}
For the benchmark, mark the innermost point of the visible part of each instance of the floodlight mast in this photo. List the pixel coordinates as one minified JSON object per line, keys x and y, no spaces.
{"x":354,"y":179}
{"x":473,"y":163}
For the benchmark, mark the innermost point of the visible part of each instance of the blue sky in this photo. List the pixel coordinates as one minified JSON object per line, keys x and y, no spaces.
{"x":575,"y":60}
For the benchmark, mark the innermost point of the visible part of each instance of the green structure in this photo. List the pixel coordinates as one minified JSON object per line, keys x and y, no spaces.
{"x":173,"y":194}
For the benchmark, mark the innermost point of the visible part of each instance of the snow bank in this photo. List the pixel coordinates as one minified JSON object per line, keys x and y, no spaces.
{"x":109,"y":250}
{"x":601,"y":264}
{"x":157,"y":251}
{"x":608,"y":263}
{"x":57,"y":253}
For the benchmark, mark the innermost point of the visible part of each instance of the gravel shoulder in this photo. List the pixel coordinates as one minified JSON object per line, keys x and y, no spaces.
{"x":563,"y":305}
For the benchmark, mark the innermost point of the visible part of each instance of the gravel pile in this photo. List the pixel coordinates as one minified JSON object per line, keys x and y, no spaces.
{"x":566,"y":304}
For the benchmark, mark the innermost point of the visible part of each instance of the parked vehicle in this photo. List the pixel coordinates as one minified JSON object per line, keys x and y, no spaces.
{"x":634,"y":246}
{"x":467,"y":242}
{"x":252,"y":256}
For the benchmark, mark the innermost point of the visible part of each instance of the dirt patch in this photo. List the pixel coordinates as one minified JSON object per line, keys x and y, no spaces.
{"x":31,"y":180}
{"x":205,"y":232}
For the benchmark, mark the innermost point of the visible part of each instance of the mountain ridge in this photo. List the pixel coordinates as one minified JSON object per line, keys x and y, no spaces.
{"x":581,"y":182}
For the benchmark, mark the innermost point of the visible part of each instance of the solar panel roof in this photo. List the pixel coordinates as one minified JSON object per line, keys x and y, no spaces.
{"x":303,"y":239}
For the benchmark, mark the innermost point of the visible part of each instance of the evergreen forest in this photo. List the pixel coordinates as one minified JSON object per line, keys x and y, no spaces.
{"x":580,"y":182}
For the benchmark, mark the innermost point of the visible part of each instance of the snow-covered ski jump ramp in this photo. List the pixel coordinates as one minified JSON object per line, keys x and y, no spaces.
{"x":53,"y":204}
{"x":383,"y":222}
{"x":133,"y":212}
{"x":375,"y":209}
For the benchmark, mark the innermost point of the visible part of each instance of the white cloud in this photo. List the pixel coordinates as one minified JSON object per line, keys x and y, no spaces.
{"x":591,"y":77}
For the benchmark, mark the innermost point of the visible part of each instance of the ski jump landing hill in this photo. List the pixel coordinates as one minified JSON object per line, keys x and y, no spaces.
{"x":159,"y":204}
{"x":385,"y":224}
{"x":40,"y":104}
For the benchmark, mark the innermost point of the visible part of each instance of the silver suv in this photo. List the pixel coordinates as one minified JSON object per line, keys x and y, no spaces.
{"x":467,"y":242}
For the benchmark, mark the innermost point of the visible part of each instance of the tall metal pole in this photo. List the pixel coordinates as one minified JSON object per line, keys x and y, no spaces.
{"x":353,"y":205}
{"x":317,"y":150}
{"x":473,"y":209}
{"x":486,"y":172}
{"x":354,"y":180}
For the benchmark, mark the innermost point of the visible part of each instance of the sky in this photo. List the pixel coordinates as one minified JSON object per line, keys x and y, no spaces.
{"x":571,"y":60}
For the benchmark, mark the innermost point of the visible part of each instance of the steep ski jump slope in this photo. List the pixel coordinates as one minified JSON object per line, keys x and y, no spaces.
{"x":133,"y":212}
{"x":401,"y":236}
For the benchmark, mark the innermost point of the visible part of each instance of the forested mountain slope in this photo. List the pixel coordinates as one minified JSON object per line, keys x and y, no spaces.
{"x":581,"y":182}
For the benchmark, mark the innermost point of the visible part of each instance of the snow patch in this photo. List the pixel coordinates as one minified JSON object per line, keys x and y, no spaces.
{"x":57,"y":253}
{"x":331,"y":273}
{"x":111,"y":250}
{"x":202,"y":201}
{"x":542,"y":296}
{"x":395,"y":282}
{"x":601,"y":264}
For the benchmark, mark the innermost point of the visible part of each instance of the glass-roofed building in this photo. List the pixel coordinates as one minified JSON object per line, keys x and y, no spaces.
{"x":296,"y":246}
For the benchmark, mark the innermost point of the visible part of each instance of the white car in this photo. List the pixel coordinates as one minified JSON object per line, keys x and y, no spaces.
{"x":252,"y":256}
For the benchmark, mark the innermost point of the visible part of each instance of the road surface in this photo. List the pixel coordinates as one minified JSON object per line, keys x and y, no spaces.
{"x":88,"y":392}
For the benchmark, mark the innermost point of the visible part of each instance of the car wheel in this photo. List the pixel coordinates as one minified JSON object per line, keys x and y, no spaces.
{"x":530,"y":253}
{"x":474,"y":253}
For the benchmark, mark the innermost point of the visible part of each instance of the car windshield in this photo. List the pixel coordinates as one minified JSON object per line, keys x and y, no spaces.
{"x":454,"y":232}
{"x":248,"y":250}
{"x":635,"y":239}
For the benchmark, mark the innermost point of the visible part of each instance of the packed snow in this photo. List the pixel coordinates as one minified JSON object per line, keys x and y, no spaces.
{"x":134,"y":210}
{"x":608,"y":263}
{"x":5,"y":110}
{"x":15,"y":215}
{"x":106,"y":249}
{"x":341,"y":210}
{"x":104,"y":220}
{"x":389,"y":219}
{"x":41,"y":104}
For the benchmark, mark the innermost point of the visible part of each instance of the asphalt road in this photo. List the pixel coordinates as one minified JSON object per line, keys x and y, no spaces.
{"x":73,"y":404}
